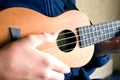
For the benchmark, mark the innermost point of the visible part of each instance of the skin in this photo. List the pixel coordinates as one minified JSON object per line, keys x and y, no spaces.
{"x":21,"y":60}
{"x":108,"y":47}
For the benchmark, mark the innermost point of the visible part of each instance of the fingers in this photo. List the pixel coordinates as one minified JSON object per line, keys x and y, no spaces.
{"x":38,"y":39}
{"x":59,"y":66}
{"x":51,"y":75}
{"x":55,"y":75}
{"x":55,"y":64}
{"x":55,"y":69}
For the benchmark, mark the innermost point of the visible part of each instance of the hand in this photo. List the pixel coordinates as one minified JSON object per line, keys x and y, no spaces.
{"x":107,"y":47}
{"x":21,"y":60}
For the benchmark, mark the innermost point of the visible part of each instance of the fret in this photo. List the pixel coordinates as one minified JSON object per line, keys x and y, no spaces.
{"x":84,"y":36}
{"x":81,"y":37}
{"x":107,"y":31}
{"x":89,"y":35}
{"x":86,"y":40}
{"x":98,"y":31}
{"x":118,"y":26}
{"x":92,"y":34}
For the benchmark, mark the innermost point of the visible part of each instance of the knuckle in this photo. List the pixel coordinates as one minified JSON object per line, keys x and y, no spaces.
{"x":47,"y":62}
{"x":31,"y":37}
{"x":44,"y":76}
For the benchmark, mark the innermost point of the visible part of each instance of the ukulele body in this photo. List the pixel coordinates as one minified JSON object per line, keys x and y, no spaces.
{"x":32,"y":22}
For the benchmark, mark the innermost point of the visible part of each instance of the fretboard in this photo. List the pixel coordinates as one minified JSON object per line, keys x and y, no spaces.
{"x":92,"y":34}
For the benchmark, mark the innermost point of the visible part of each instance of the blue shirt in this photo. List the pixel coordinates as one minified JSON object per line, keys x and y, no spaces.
{"x":54,"y":8}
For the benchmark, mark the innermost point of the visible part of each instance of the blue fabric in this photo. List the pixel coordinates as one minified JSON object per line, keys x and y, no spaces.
{"x":54,"y":8}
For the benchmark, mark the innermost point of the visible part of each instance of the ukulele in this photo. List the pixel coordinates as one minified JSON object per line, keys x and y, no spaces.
{"x":76,"y":37}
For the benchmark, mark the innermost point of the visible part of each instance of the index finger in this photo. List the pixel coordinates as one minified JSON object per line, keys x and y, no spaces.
{"x":38,"y":39}
{"x":59,"y":66}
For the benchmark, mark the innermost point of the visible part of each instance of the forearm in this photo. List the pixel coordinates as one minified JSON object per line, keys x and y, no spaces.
{"x":107,"y":47}
{"x":1,"y":70}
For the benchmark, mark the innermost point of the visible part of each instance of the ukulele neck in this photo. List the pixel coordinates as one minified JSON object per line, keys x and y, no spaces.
{"x":92,"y":34}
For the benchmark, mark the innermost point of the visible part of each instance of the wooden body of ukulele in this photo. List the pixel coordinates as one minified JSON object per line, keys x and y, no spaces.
{"x":32,"y":22}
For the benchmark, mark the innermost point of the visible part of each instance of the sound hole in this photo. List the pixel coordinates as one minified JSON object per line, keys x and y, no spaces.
{"x":66,"y":41}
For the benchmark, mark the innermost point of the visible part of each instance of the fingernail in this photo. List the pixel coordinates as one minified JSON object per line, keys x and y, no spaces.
{"x":51,"y":37}
{"x":68,"y":70}
{"x":55,"y":34}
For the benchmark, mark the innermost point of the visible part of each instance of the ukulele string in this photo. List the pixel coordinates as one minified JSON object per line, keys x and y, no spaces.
{"x":51,"y":49}
{"x":64,"y":44}
{"x":116,"y":22}
{"x":71,"y":42}
{"x":77,"y":36}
